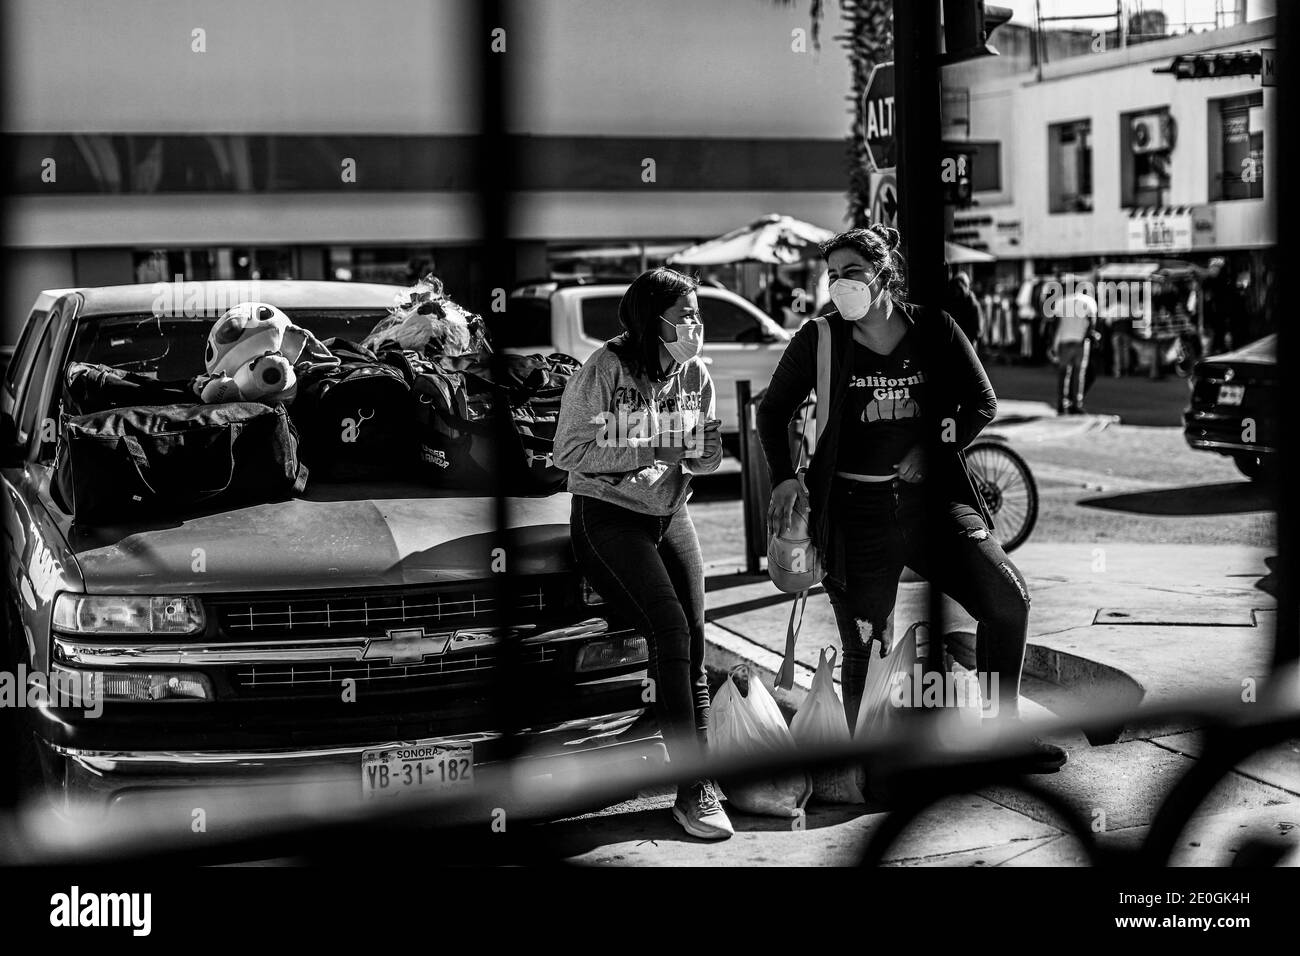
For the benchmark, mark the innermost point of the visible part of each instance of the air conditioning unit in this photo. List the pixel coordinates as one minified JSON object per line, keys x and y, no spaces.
{"x":1151,"y":133}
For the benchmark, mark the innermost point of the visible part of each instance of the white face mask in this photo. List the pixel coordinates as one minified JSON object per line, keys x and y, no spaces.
{"x":853,"y":298}
{"x":690,"y":340}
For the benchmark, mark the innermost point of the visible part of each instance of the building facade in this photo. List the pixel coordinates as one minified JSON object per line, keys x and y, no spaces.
{"x":1103,"y":160}
{"x":326,"y":138}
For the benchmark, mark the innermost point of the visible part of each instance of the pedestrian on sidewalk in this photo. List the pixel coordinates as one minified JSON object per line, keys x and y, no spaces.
{"x":965,"y":308}
{"x":636,"y":422}
{"x":1071,"y":349}
{"x":1027,"y":319}
{"x":907,"y":394}
{"x":1121,"y":345}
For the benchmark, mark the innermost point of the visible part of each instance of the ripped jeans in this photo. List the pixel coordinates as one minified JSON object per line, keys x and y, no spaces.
{"x":883,"y":524}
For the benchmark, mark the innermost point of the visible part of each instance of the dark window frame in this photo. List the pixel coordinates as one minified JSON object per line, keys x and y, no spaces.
{"x":1056,"y":193}
{"x":1221,"y":177}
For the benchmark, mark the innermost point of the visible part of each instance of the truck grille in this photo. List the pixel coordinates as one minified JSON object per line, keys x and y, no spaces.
{"x":373,"y":612}
{"x":472,"y":668}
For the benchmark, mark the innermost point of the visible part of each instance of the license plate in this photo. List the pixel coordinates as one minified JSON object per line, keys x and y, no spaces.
{"x":403,"y":768}
{"x":1231,"y":394}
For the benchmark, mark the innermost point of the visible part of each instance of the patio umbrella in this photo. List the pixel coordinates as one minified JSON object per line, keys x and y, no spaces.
{"x":773,"y":239}
{"x":962,"y":255}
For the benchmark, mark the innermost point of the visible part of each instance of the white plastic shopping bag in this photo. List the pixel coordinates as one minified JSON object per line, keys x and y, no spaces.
{"x":751,"y":725}
{"x":821,"y":721}
{"x":968,"y":698}
{"x":878,"y":709}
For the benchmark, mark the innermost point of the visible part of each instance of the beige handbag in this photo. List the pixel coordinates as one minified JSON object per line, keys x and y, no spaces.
{"x":793,"y":562}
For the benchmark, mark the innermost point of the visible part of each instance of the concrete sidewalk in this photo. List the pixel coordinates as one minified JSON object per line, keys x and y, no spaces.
{"x":1173,"y":619}
{"x":1110,"y":623}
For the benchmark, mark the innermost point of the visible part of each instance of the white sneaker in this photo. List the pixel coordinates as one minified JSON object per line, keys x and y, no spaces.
{"x":699,"y":812}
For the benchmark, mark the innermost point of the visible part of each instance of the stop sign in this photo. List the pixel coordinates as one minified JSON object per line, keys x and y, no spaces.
{"x":878,"y":116}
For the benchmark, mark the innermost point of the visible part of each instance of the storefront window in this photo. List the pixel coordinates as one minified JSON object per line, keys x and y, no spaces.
{"x":1237,"y":147}
{"x":222,"y":262}
{"x":400,"y":265}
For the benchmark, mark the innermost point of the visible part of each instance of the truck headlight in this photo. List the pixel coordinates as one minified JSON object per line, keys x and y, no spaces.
{"x":615,"y":652}
{"x":590,"y":596}
{"x":81,"y":688}
{"x":127,"y":614}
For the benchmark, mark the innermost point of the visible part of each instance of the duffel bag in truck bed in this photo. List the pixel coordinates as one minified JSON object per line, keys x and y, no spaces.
{"x":457,"y":402}
{"x":148,"y":461}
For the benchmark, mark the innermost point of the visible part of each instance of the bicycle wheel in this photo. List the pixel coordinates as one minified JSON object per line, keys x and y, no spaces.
{"x":1009,"y":489}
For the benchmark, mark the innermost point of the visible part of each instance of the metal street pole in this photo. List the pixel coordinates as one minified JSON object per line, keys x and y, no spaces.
{"x":918,"y":100}
{"x":919,"y":140}
{"x":1287,"y":641}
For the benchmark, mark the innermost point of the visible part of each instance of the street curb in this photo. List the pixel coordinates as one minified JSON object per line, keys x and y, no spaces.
{"x":1106,"y":687}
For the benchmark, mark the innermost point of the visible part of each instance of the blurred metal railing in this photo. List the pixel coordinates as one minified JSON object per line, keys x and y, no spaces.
{"x":927,"y":759}
{"x":930,"y":756}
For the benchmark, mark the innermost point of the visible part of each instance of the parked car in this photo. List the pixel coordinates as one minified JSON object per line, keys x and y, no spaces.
{"x":1234,"y":406}
{"x":741,"y":342}
{"x":220,"y":643}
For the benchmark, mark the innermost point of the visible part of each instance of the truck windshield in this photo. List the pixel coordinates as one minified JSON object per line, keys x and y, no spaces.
{"x":171,"y":347}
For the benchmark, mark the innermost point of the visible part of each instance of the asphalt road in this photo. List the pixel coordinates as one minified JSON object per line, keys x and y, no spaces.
{"x":1136,"y":400}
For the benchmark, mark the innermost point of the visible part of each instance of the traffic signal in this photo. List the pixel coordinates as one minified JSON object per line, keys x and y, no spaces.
{"x":1209,"y":66}
{"x":966,"y":28}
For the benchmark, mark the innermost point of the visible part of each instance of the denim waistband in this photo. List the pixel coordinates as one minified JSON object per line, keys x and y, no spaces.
{"x":888,"y":486}
{"x":869,"y":489}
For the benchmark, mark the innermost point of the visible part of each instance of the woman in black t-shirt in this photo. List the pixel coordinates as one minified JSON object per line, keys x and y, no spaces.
{"x":907,"y":395}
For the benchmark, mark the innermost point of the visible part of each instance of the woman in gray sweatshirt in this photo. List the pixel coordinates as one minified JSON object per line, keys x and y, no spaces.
{"x":636,"y":422}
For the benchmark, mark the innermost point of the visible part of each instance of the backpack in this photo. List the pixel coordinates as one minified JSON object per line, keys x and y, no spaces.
{"x":355,"y":418}
{"x":150,"y":461}
{"x":458,"y":401}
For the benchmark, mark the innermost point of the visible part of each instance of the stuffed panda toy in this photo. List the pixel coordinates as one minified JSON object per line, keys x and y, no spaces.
{"x":253,"y":354}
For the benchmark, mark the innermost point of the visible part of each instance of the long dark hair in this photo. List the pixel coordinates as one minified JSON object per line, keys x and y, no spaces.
{"x":646,"y":299}
{"x":878,"y":245}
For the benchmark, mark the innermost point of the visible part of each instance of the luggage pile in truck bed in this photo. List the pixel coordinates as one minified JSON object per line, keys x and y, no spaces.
{"x":423,"y":403}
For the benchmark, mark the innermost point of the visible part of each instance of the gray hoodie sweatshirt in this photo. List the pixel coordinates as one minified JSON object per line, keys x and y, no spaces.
{"x":613,"y":426}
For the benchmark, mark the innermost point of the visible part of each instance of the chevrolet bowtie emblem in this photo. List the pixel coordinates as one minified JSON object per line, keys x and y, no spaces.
{"x":406,"y":645}
{"x":410,"y":645}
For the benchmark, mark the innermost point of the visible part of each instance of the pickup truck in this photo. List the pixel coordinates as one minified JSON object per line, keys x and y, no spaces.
{"x":345,"y":638}
{"x":740,"y":341}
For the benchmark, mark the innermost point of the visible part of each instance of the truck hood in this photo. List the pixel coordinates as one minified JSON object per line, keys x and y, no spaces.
{"x":372,"y":537}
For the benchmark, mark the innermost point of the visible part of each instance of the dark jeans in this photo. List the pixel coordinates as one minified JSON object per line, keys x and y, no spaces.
{"x":1072,"y":357}
{"x":650,"y":572}
{"x":1120,"y":339}
{"x":885,"y":525}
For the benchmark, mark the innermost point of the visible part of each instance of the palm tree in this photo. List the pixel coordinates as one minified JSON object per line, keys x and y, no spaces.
{"x":869,"y":40}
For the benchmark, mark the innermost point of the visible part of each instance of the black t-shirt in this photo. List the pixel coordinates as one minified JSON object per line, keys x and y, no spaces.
{"x":882,"y":415}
